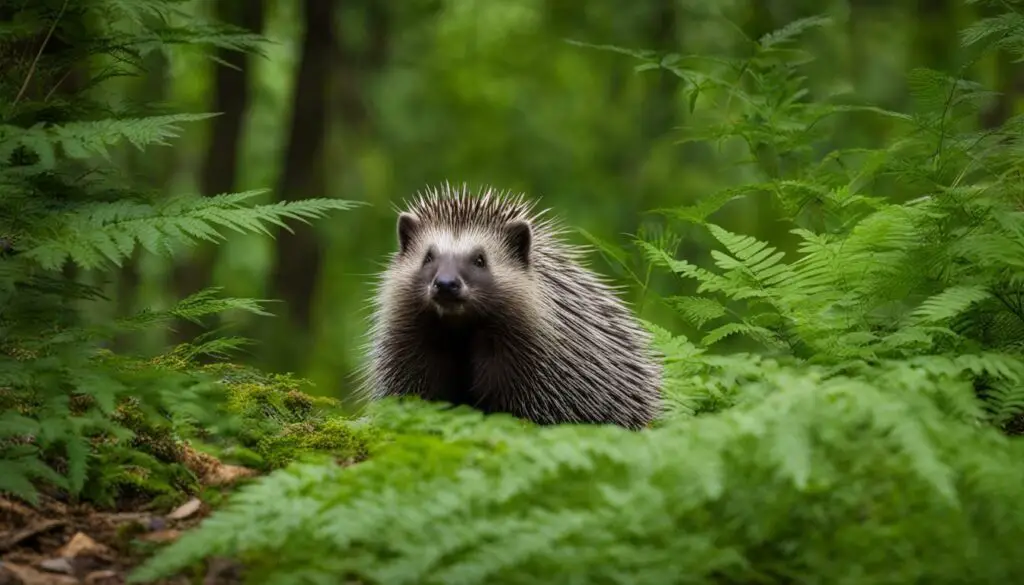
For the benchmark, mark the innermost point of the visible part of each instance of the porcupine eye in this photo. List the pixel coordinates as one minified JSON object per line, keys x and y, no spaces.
{"x":479,"y":260}
{"x":428,"y":258}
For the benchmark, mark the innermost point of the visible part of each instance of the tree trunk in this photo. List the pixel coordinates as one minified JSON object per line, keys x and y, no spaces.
{"x":936,"y":35}
{"x":220,"y":168}
{"x":156,"y":166}
{"x":298,"y":254}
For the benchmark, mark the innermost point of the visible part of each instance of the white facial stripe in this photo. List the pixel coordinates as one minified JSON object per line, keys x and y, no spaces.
{"x":459,"y":243}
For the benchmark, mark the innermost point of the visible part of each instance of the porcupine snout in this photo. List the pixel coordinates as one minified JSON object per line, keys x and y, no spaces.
{"x":447,"y":286}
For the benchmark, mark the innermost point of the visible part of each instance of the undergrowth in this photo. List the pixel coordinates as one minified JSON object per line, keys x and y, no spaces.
{"x":74,"y":418}
{"x":861,"y":443}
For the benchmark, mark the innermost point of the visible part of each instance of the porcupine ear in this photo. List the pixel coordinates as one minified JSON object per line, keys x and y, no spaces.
{"x":408,"y":226}
{"x":519,"y":236}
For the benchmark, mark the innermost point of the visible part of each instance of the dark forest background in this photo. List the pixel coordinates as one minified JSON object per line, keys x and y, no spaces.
{"x":369,"y":101}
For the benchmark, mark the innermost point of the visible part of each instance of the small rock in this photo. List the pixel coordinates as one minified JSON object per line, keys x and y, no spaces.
{"x":185,"y":510}
{"x":57,"y":565}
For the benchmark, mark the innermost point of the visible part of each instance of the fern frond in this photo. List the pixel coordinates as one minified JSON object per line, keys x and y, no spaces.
{"x":760,"y":333}
{"x":993,"y":30}
{"x":698,"y":310}
{"x":141,"y":11}
{"x":81,"y":140}
{"x":792,"y":30}
{"x":93,"y":234}
{"x":949,"y":303}
{"x":757,"y":259}
{"x":457,"y":499}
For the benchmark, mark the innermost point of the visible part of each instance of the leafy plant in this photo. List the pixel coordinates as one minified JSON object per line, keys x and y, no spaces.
{"x":65,"y":209}
{"x":908,"y":251}
{"x":848,"y":448}
{"x":806,"y":481}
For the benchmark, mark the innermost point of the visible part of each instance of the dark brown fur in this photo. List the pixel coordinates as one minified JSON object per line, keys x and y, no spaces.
{"x":516,"y":323}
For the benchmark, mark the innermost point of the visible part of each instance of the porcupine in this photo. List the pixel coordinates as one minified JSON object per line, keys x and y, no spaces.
{"x":485,"y":304}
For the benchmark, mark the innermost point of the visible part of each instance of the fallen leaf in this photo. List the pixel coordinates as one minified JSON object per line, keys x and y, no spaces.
{"x":80,"y":545}
{"x":29,"y":576}
{"x":106,"y":577}
{"x":227,"y":474}
{"x":122,"y":517}
{"x":185,"y":510}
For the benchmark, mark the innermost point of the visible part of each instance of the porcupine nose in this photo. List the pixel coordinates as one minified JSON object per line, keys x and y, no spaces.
{"x":447,"y":286}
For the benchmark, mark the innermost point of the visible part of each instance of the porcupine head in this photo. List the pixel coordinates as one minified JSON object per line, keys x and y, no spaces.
{"x":482,"y":305}
{"x":458,"y":289}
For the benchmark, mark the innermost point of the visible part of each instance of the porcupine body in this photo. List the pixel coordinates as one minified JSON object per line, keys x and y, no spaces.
{"x":484,"y":304}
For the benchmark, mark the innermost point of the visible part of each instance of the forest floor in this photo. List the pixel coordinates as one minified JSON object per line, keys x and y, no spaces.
{"x":61,"y":543}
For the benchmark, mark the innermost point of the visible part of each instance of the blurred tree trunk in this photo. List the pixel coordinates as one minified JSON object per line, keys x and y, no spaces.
{"x":761,"y":220}
{"x":660,"y":111}
{"x":936,"y":43}
{"x":658,"y":118}
{"x":220,"y":168}
{"x":1009,"y":83}
{"x":156,"y":166}
{"x":1009,"y":78}
{"x":360,"y":59}
{"x":298,"y":255}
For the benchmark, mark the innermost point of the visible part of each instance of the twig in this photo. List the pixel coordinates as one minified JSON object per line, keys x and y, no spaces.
{"x":39,"y":55}
{"x":49,"y":94}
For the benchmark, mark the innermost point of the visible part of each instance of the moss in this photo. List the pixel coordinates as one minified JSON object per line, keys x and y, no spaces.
{"x":345,"y":439}
{"x":143,"y":457}
{"x":152,"y":437}
{"x":281,"y":423}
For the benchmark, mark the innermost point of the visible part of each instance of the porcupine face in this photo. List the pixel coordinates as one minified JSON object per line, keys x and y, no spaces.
{"x":457,"y":272}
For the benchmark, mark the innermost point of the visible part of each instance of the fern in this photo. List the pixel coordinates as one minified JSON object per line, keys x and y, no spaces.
{"x":734,"y":497}
{"x":94,"y":233}
{"x":63,"y":203}
{"x":937,"y":272}
{"x":855,"y":414}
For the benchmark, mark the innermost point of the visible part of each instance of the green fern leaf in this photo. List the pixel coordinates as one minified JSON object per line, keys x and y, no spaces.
{"x":719,"y":333}
{"x":949,"y":303}
{"x":1002,"y":26}
{"x":792,"y":30}
{"x":698,"y":310}
{"x":98,"y":233}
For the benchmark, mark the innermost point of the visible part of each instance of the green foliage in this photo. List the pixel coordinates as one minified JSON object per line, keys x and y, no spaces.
{"x":66,"y":212}
{"x":264,"y":420}
{"x":907,"y":251}
{"x":900,"y":491}
{"x":278,"y":423}
{"x":847,"y":447}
